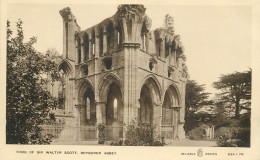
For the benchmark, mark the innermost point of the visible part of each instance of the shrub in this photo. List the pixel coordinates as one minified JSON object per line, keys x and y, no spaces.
{"x":234,"y":137}
{"x":101,"y":134}
{"x":142,"y":135}
{"x":197,"y":133}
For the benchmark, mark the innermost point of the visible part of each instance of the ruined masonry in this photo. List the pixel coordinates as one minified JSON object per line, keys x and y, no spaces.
{"x":120,"y":71}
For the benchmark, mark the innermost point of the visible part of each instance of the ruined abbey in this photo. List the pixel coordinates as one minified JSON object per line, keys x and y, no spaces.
{"x":119,"y":71}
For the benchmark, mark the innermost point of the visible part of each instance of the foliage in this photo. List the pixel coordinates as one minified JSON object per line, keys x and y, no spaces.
{"x":61,"y":100}
{"x":142,"y":135}
{"x":197,"y":133}
{"x":235,"y":89}
{"x":235,"y":137}
{"x":101,"y":133}
{"x":114,"y":143}
{"x":28,"y":104}
{"x":195,"y":98}
{"x":234,"y":131}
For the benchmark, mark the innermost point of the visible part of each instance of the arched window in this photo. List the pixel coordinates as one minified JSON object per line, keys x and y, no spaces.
{"x":79,"y":49}
{"x":144,"y":31}
{"x":101,"y":42}
{"x":110,"y":38}
{"x":88,"y":112}
{"x":62,"y":90}
{"x":115,"y":109}
{"x":119,"y":36}
{"x":166,"y":47}
{"x":93,"y":43}
{"x":87,"y":108}
{"x":86,"y":47}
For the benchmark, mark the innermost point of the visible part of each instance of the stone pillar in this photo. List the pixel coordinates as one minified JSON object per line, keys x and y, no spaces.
{"x":66,"y":93}
{"x":175,"y":58}
{"x":170,"y":54}
{"x":97,"y":42}
{"x":157,"y":117}
{"x":78,"y":115}
{"x":82,"y":112}
{"x":175,"y":124}
{"x":181,"y":132}
{"x":116,"y":40}
{"x":90,"y":49}
{"x":162,"y":47}
{"x":138,"y":111}
{"x":101,"y":112}
{"x":82,"y":53}
{"x":147,"y":41}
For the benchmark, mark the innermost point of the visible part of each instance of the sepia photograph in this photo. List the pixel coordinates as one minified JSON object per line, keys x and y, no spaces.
{"x":153,"y":76}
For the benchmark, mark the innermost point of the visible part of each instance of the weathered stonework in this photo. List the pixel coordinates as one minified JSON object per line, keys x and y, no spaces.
{"x":122,"y":60}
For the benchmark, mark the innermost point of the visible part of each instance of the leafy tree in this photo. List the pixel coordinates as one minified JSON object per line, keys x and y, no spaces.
{"x":195,"y":98}
{"x":235,"y":89}
{"x":27,"y":103}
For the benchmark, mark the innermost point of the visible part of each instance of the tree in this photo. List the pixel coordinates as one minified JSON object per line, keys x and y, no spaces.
{"x":236,"y":89}
{"x":27,"y":103}
{"x":195,"y":98}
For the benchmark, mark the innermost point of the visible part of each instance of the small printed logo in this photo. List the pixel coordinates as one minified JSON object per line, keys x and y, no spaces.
{"x":200,"y":153}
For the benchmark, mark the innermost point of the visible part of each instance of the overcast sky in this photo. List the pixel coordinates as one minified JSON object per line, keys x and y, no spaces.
{"x":217,"y":39}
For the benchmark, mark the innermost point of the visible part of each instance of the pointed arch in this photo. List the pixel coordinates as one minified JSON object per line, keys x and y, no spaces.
{"x":83,"y":86}
{"x":154,"y":84}
{"x":66,"y":67}
{"x":173,"y":90}
{"x":105,"y":83}
{"x":86,"y":100}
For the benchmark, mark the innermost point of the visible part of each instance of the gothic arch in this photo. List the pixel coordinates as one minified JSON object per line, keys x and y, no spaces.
{"x":82,"y":87}
{"x":105,"y":83}
{"x":150,"y":97}
{"x":153,"y":84}
{"x":86,"y":101}
{"x":66,"y":85}
{"x":173,"y":89}
{"x":66,"y":67}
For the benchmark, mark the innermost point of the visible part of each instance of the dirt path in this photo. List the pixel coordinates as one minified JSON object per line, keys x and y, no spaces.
{"x":193,"y":143}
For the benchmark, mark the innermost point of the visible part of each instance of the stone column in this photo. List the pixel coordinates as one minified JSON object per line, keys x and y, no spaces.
{"x":174,"y":57}
{"x":78,"y":114}
{"x":147,"y":41}
{"x":97,"y":43}
{"x":90,"y":49}
{"x":83,"y":114}
{"x":157,"y":117}
{"x":101,"y":112}
{"x":170,"y":54}
{"x":162,"y":47}
{"x":116,"y":40}
{"x":66,"y":93}
{"x":82,"y":53}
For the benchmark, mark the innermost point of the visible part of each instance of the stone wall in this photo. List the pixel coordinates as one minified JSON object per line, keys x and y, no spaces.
{"x":122,"y":52}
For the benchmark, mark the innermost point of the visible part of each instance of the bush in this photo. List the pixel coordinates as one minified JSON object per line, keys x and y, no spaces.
{"x":197,"y":133}
{"x":234,"y":137}
{"x":101,"y":134}
{"x":142,"y":135}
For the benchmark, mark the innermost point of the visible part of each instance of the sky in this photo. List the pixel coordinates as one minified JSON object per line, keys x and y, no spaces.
{"x":217,"y":39}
